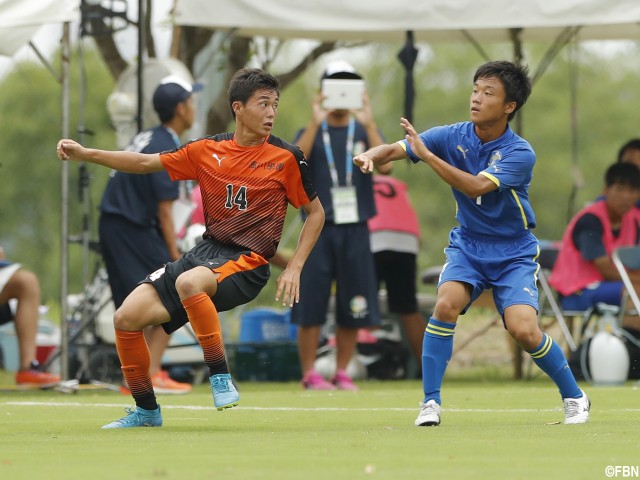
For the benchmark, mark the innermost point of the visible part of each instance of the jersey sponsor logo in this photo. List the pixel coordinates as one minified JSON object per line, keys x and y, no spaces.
{"x":526,"y":289}
{"x":304,"y":162}
{"x":268,"y":166}
{"x":463,"y":151}
{"x":215,"y":155}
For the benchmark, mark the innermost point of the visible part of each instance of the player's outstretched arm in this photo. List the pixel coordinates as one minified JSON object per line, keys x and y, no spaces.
{"x":378,"y":156}
{"x":471,"y":185}
{"x":124,"y":161}
{"x":289,"y":279}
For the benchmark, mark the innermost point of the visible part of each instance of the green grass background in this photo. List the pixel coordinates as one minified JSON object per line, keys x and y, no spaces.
{"x":491,"y":429}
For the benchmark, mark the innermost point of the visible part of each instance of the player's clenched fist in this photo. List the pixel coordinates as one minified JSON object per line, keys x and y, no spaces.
{"x":69,"y":149}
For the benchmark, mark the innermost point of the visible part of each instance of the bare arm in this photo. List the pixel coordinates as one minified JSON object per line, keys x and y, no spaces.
{"x":609,"y":271}
{"x":471,"y":185}
{"x":289,"y":279}
{"x":124,"y":161}
{"x":377,"y":156}
{"x":167,"y":227}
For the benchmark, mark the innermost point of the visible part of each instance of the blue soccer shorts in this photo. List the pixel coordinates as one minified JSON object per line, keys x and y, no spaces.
{"x":508,"y":268}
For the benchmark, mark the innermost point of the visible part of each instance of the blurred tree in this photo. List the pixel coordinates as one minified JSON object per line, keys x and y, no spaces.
{"x":30,"y":171}
{"x":187,"y":42}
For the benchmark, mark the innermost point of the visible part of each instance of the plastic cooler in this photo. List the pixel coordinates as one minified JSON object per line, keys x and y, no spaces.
{"x":266,"y":325}
{"x":267,"y":349}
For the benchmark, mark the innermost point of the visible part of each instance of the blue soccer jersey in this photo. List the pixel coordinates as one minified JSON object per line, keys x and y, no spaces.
{"x":507,"y":161}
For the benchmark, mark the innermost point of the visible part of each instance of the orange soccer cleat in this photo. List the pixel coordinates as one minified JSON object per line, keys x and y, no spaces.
{"x":164,"y":384}
{"x":36,"y":378}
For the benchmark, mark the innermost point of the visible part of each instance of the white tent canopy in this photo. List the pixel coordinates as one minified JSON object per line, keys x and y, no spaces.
{"x":431,"y":20}
{"x":20,"y":20}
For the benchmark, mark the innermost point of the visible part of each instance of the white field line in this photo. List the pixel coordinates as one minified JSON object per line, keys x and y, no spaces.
{"x":298,"y":409}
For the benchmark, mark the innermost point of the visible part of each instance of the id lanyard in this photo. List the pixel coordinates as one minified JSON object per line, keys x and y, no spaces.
{"x":175,"y":137}
{"x":328,"y":151}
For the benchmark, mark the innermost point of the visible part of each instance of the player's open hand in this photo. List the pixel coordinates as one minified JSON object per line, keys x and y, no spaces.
{"x":69,"y":150}
{"x":417,"y":147}
{"x":288,"y":287}
{"x":364,"y":161}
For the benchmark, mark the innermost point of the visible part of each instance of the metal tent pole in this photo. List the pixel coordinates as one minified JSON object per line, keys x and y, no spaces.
{"x":64,"y":200}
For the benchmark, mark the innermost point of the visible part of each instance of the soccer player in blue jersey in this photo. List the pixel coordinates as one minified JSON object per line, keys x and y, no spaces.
{"x":489,"y":169}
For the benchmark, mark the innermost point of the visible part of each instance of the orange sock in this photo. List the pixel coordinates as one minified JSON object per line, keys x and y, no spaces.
{"x":136,"y":360}
{"x":205,"y":322}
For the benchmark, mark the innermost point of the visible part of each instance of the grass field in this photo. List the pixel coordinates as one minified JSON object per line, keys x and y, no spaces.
{"x":490,"y":430}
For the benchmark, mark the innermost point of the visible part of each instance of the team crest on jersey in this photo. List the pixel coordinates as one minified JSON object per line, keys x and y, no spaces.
{"x":495,"y":157}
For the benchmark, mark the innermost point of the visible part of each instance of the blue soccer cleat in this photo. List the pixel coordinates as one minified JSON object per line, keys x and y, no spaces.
{"x":224,"y":391}
{"x":138,"y":417}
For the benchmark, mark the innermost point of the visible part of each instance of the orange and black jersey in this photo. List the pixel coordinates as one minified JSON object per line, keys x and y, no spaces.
{"x":245,"y":190}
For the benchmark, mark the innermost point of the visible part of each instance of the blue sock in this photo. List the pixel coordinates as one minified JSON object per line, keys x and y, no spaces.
{"x":549,"y":357}
{"x":437,"y":348}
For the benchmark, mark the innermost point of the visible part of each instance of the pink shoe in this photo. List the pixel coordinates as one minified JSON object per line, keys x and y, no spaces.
{"x":314,"y":381}
{"x":344,"y":382}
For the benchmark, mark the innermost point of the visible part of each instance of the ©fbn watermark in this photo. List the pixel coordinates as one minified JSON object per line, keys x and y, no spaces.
{"x":622,"y":471}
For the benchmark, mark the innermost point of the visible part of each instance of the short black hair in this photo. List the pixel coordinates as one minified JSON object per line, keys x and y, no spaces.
{"x":633,"y":144}
{"x":514,"y":77}
{"x":247,"y":81}
{"x":627,"y":174}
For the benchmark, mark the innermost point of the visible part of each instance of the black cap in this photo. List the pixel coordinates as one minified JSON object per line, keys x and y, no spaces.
{"x":171,"y":91}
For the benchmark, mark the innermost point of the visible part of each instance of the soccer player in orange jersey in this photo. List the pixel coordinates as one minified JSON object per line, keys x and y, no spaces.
{"x":247,"y":178}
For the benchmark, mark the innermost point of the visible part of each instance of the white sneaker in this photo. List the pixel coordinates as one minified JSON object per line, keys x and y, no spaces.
{"x":576,"y":410}
{"x":429,"y":415}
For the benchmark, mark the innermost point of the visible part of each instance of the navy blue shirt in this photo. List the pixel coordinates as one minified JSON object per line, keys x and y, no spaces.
{"x":321,"y":175}
{"x":134,"y":196}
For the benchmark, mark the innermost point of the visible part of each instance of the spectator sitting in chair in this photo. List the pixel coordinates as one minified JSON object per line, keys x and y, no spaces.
{"x":23,"y":286}
{"x":584,"y":273}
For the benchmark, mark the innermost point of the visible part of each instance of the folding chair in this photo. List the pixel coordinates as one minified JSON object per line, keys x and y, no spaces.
{"x":549,"y":304}
{"x":627,"y":258}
